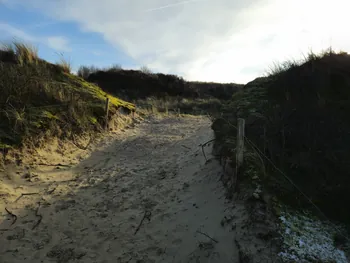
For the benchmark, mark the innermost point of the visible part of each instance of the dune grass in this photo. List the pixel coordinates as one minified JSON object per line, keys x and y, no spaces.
{"x":297,"y":116}
{"x":39,"y":99}
{"x":65,"y":64}
{"x":24,"y":53}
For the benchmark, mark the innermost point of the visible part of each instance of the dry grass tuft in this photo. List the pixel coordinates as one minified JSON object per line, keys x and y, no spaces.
{"x":65,"y":64}
{"x":26,"y":53}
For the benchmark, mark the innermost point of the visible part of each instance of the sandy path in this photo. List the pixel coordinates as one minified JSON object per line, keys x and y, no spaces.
{"x":90,"y":212}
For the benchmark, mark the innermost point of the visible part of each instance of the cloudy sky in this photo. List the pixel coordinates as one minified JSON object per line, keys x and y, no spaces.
{"x":207,"y":40}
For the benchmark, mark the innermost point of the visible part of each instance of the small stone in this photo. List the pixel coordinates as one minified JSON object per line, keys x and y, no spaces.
{"x":256,"y":195}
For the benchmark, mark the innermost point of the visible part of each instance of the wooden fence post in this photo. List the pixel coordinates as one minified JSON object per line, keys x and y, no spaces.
{"x":239,"y":149}
{"x":107,"y":109}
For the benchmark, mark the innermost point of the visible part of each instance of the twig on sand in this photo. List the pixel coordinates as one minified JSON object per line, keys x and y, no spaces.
{"x":23,"y":194}
{"x":37,"y":215}
{"x":47,"y":164}
{"x":13,"y":216}
{"x":205,"y":157}
{"x":199,"y":232}
{"x":79,"y":146}
{"x":186,"y":147}
{"x":52,"y":190}
{"x":147,"y":216}
{"x":204,"y":144}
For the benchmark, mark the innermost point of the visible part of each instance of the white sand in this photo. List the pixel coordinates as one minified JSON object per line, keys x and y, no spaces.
{"x":90,"y":211}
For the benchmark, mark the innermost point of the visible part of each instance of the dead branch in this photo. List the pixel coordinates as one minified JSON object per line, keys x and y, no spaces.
{"x":204,"y":144}
{"x":199,"y":232}
{"x":37,"y":215}
{"x":59,"y":164}
{"x":186,"y":147}
{"x":23,"y":194}
{"x":147,"y":216}
{"x":13,"y":216}
{"x":205,"y":157}
{"x":79,"y":146}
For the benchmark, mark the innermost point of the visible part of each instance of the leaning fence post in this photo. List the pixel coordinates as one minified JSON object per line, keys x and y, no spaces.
{"x":239,"y":149}
{"x":107,"y":109}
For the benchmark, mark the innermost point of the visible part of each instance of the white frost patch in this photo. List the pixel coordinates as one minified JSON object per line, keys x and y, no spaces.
{"x":306,"y":239}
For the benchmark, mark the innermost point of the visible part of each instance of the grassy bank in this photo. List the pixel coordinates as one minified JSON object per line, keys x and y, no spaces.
{"x":39,"y":99}
{"x":140,"y":85}
{"x":297,"y":128}
{"x":297,"y":142}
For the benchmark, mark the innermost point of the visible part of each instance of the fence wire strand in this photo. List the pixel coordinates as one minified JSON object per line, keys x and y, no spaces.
{"x":289,"y":180}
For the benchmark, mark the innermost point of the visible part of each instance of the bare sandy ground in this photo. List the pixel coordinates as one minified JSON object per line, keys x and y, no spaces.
{"x":144,"y":195}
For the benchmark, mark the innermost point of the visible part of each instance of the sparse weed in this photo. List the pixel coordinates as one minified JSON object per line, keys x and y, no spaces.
{"x":65,"y":64}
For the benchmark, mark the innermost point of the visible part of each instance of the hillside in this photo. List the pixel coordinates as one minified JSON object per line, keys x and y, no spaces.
{"x":39,"y":99}
{"x":297,"y":125}
{"x":134,"y":84}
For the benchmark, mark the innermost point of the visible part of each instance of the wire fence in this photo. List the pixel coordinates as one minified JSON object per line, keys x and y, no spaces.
{"x":307,"y":198}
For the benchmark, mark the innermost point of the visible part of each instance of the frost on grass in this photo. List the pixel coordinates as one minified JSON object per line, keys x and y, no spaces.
{"x":308,"y":240}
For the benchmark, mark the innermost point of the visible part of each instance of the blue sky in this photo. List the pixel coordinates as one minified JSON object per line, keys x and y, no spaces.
{"x":206,"y":40}
{"x":81,"y":48}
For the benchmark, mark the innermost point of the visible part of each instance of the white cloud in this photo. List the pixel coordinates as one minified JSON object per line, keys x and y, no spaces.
{"x":57,"y":43}
{"x":211,"y":40}
{"x":17,"y":33}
